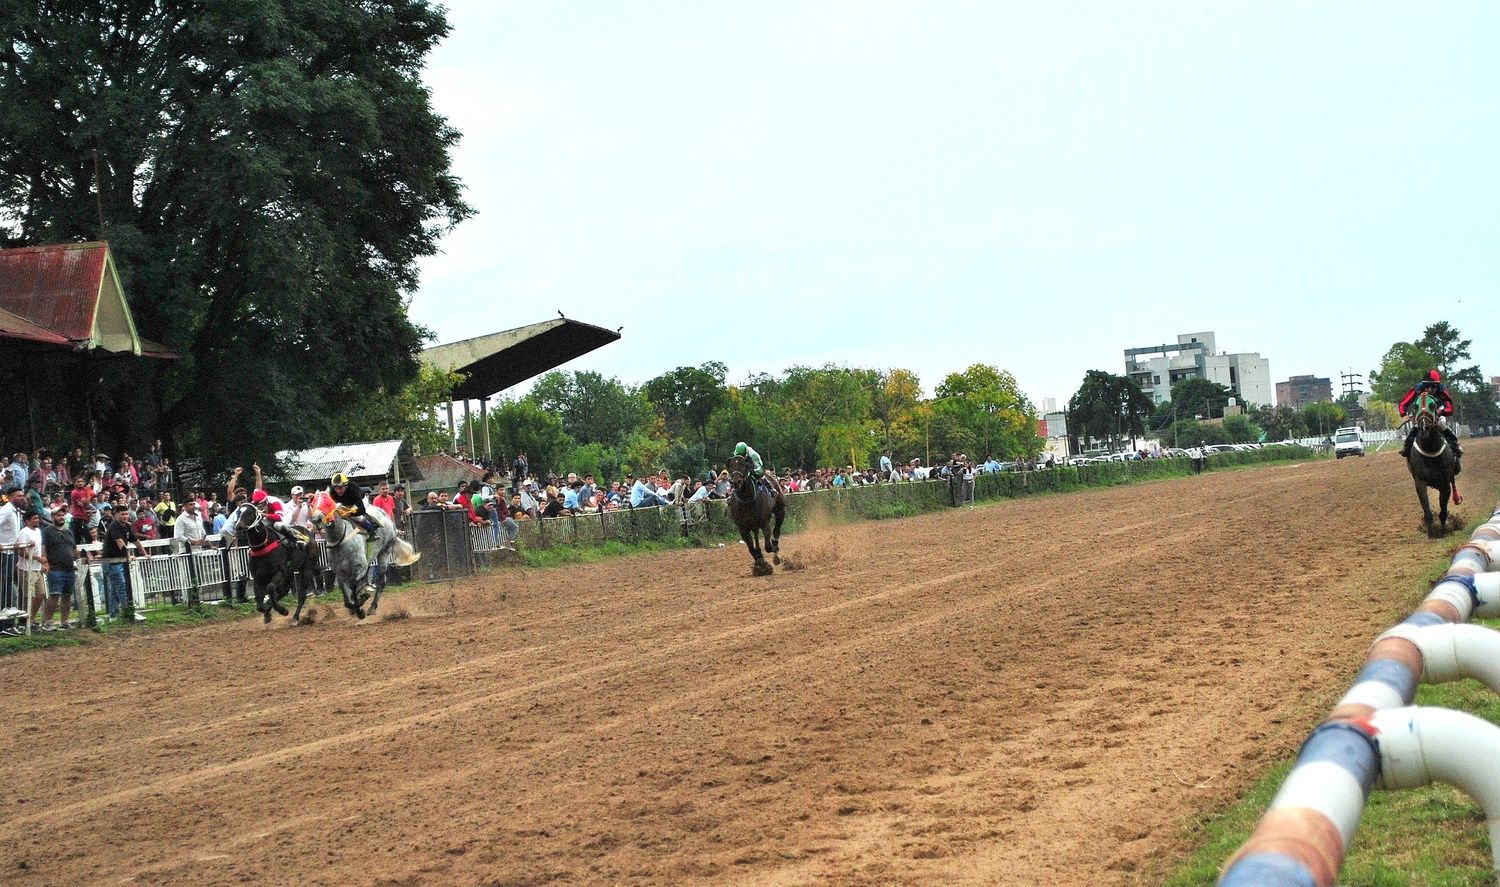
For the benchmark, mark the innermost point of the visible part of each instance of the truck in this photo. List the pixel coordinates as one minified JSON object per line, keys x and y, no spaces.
{"x":1348,"y":442}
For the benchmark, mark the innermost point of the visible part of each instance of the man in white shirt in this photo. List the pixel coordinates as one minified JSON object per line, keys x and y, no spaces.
{"x":189,"y":532}
{"x":29,"y":550}
{"x":11,"y":525}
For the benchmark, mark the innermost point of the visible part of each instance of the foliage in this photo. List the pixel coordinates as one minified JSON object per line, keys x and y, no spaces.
{"x":1239,"y":429}
{"x":990,"y":412}
{"x":593,"y":409}
{"x":686,"y":398}
{"x":411,"y":414}
{"x":1322,"y":419}
{"x":523,"y":426}
{"x":268,"y":174}
{"x":1403,"y":366}
{"x":1200,"y":397}
{"x":1279,"y":423}
{"x":1108,"y":407}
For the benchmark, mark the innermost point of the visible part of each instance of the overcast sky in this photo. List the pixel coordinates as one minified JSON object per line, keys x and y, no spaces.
{"x":928,"y":185}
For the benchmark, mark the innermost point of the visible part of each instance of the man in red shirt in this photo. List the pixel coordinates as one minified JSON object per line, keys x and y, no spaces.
{"x":145,"y":524}
{"x":385,"y":501}
{"x":80,"y":503}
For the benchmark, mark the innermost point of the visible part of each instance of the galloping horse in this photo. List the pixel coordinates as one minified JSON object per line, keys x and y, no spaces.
{"x":351,"y":565}
{"x":1432,"y":463}
{"x":274,"y":564}
{"x":752,"y":507}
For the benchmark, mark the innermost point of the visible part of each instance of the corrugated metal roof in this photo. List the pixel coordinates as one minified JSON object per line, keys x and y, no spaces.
{"x":443,"y":472}
{"x":14,"y":326}
{"x":55,"y":286}
{"x":495,"y":362}
{"x":358,"y":460}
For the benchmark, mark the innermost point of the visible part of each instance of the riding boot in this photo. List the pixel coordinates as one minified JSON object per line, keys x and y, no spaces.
{"x":1406,"y":447}
{"x":1453,"y":441}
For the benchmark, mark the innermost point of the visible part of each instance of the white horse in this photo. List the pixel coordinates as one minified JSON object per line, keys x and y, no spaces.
{"x":357,"y":579}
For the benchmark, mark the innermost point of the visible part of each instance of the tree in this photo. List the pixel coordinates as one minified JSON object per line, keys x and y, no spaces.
{"x":1322,"y":419}
{"x":1403,"y":366}
{"x":411,"y":414}
{"x":1239,"y":429}
{"x":1200,"y":397}
{"x":686,"y":397}
{"x":523,"y":426}
{"x":593,"y":409}
{"x":268,"y":173}
{"x":893,"y":394}
{"x":1109,"y":408}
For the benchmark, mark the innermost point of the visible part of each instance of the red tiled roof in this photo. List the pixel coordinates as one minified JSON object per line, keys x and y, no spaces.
{"x":54,"y":286}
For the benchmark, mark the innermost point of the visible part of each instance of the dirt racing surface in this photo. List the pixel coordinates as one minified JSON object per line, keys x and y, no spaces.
{"x":1033,"y":692}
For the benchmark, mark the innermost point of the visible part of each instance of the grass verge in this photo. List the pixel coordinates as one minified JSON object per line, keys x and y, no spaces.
{"x":1426,"y":837}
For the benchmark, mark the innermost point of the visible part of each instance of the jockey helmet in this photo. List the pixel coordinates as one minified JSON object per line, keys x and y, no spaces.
{"x":1434,"y":375}
{"x":258,"y":496}
{"x":740,"y":448}
{"x":339,"y":479}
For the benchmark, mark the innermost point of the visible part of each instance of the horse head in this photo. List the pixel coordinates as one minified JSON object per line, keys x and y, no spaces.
{"x":247,"y":518}
{"x":738,"y":468}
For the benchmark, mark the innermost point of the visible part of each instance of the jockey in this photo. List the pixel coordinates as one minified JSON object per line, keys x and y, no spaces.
{"x":764,"y":475}
{"x":1433,"y":384}
{"x":275,"y":511}
{"x":351,"y":495}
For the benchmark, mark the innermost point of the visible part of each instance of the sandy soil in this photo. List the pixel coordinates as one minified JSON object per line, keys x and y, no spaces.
{"x":1034,"y":692}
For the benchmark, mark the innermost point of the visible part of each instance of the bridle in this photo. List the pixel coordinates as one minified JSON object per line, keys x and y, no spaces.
{"x":1426,"y":420}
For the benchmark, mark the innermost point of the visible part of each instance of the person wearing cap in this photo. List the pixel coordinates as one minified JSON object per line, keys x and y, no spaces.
{"x":352,"y":496}
{"x":299,"y":509}
{"x":118,"y":537}
{"x":60,"y":557}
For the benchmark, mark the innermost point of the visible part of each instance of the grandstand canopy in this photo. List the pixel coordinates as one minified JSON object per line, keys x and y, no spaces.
{"x":498,"y":361}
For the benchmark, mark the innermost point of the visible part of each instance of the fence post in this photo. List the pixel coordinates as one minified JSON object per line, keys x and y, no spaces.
{"x":90,"y":615}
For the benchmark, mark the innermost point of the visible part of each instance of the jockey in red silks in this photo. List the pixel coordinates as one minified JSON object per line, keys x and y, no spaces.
{"x":1433,"y":385}
{"x":274,"y":510}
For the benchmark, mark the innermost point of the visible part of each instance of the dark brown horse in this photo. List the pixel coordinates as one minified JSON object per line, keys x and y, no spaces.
{"x":757,"y":511}
{"x":1432,"y":463}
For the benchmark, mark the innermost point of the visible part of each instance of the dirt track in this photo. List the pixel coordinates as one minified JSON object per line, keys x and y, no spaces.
{"x":1035,"y":692}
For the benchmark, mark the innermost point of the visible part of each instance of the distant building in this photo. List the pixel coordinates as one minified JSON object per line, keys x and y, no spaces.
{"x":1495,"y":388}
{"x":1302,"y":390}
{"x":1156,"y":368}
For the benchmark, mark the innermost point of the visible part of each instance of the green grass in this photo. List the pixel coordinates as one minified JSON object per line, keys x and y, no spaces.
{"x":563,"y":555}
{"x":1426,"y":837}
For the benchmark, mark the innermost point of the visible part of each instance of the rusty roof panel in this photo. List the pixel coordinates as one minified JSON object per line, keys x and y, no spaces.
{"x":14,"y":326}
{"x":55,"y":286}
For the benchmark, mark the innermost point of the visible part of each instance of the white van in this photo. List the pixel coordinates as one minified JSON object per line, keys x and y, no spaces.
{"x":1347,"y":442}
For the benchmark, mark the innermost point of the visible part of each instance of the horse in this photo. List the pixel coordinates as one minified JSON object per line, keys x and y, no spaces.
{"x":753,"y":507}
{"x":274,"y":564}
{"x":351,"y":564}
{"x":1432,"y":463}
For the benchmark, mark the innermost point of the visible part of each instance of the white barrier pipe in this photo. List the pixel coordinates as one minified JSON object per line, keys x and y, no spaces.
{"x":1454,"y":652}
{"x":1421,"y":745}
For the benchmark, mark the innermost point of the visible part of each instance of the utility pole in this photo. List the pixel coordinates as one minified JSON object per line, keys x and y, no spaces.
{"x":1351,"y":381}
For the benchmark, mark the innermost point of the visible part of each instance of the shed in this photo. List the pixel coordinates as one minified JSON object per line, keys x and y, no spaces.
{"x":369,"y":462}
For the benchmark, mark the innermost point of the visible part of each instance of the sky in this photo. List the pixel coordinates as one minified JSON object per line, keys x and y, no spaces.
{"x":1036,"y":186}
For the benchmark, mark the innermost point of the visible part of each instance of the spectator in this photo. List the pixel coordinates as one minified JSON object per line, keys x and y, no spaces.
{"x":519,"y":470}
{"x":298,"y":511}
{"x":643,"y":495}
{"x":20,"y":470}
{"x":30,"y":557}
{"x":399,"y":506}
{"x":60,"y":551}
{"x":433,"y":502}
{"x":12,"y":522}
{"x":166,"y":509}
{"x":118,"y":537}
{"x":189,"y":532}
{"x":466,"y":502}
{"x":145,"y":525}
{"x":385,"y":501}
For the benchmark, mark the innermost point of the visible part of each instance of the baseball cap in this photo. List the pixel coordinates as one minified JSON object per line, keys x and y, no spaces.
{"x":296,"y":491}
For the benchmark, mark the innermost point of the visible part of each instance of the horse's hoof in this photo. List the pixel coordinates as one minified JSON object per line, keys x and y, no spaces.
{"x":282,"y":611}
{"x":360,"y":613}
{"x":267,"y":615}
{"x":763,"y":569}
{"x":296,"y":620}
{"x":776,"y":559}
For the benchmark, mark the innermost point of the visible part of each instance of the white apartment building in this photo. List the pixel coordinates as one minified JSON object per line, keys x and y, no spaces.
{"x":1155,"y":368}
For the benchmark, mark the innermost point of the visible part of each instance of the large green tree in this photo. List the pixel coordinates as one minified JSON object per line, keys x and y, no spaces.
{"x":991,"y":415}
{"x":268,"y":173}
{"x":1403,"y":366}
{"x":686,"y":397}
{"x":593,"y":408}
{"x":1109,"y":408}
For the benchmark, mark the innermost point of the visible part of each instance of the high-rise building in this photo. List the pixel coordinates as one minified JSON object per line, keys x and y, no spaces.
{"x":1156,"y":368}
{"x":1302,"y":390}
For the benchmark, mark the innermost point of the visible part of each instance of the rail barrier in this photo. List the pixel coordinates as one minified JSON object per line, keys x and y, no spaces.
{"x":1374,"y":737}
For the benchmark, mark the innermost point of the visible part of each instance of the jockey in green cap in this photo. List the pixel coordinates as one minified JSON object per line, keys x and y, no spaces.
{"x":756,"y":469}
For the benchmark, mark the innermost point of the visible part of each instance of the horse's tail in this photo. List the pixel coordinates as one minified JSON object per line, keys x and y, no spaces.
{"x":403,"y":555}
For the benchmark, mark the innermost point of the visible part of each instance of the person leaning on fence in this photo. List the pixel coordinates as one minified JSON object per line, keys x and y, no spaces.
{"x":60,"y":554}
{"x":118,"y":537}
{"x":189,"y":533}
{"x":12,"y":521}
